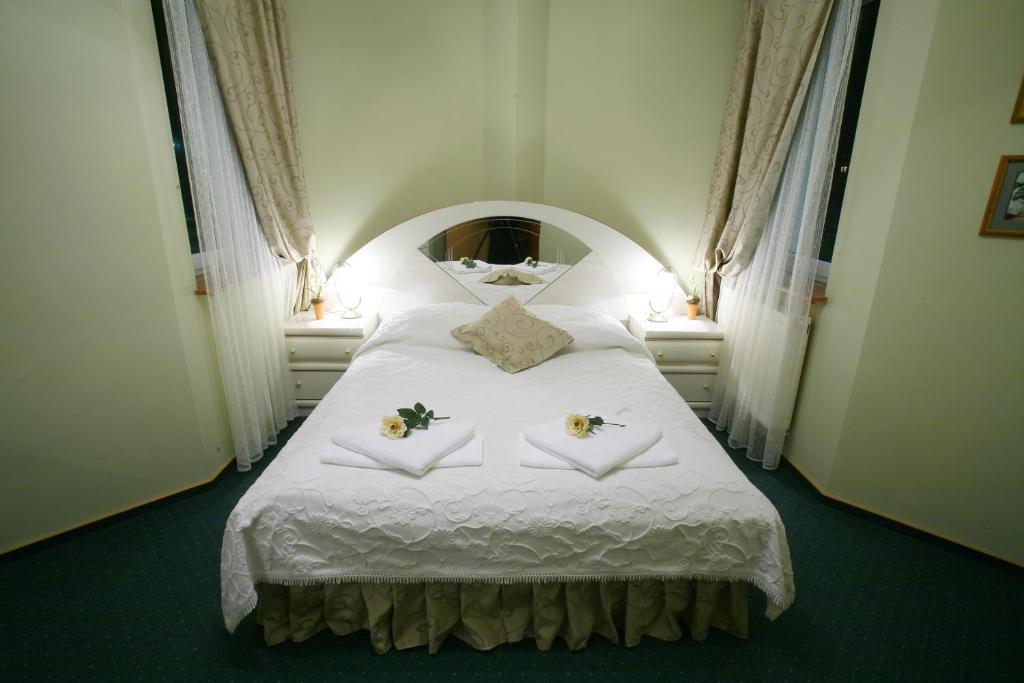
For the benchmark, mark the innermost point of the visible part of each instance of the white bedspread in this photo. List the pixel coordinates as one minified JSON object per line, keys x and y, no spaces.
{"x":307,"y":522}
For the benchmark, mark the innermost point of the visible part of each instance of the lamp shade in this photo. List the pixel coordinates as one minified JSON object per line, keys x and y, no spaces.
{"x":662,"y":289}
{"x":349,"y":286}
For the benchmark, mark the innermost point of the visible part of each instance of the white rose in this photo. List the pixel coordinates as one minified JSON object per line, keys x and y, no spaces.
{"x":392,"y":427}
{"x":577,"y":425}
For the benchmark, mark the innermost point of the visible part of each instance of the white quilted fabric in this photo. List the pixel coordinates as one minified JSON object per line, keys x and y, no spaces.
{"x":304,"y":522}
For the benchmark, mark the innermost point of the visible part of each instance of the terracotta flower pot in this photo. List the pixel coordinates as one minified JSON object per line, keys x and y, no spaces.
{"x":318,"y":308}
{"x":691,"y":311}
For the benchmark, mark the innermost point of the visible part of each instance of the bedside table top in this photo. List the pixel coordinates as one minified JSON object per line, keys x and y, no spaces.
{"x":304,"y":324}
{"x":677,"y":327}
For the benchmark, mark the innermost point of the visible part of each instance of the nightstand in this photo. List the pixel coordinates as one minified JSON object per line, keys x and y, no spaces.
{"x":319,"y":352}
{"x":686,"y":352}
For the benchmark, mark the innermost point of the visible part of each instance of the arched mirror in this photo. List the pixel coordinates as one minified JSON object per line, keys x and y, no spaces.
{"x":498,"y":256}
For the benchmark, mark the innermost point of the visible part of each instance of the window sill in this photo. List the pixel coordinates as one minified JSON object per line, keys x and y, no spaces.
{"x":818,"y":295}
{"x":197,"y":268}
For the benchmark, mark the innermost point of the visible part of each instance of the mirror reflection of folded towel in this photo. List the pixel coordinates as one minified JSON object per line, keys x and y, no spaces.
{"x":460,"y":269}
{"x":416,"y":454}
{"x":540,"y":268}
{"x":512,"y":276}
{"x":595,"y":454}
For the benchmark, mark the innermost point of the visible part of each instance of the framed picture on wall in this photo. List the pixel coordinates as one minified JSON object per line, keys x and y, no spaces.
{"x":1018,"y":108}
{"x":1004,"y":216}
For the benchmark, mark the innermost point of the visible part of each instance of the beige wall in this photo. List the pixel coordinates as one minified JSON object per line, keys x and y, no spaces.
{"x":108,"y":395}
{"x":636,"y":92}
{"x":389,"y":98}
{"x":914,"y":389}
{"x":609,"y":108}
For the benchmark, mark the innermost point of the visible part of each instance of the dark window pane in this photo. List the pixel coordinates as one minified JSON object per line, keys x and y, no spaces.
{"x":848,"y":128}
{"x":175,"y":117}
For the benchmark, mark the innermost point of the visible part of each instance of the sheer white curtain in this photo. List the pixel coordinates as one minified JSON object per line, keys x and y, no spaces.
{"x":764,"y":309}
{"x":245,"y":282}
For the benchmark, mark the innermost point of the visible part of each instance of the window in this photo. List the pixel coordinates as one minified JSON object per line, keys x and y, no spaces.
{"x":848,"y":128}
{"x":175,"y":117}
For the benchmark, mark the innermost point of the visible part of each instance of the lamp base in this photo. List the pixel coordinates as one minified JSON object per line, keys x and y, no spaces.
{"x":350,"y":314}
{"x":657,"y":317}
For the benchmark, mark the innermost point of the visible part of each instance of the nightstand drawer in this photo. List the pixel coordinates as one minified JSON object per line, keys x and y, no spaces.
{"x":314,"y":384}
{"x":306,"y":406}
{"x":694,"y":387}
{"x":301,"y":349}
{"x":681,"y":351}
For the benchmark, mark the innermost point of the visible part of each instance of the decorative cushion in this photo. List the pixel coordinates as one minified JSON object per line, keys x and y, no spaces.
{"x":512,"y":276}
{"x":513,"y":338}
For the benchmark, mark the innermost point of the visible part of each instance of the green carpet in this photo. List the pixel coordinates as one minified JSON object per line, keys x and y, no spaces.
{"x":139,"y":599}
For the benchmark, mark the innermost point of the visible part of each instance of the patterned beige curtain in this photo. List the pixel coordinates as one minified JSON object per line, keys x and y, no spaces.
{"x":248,"y":44}
{"x":778,"y":47}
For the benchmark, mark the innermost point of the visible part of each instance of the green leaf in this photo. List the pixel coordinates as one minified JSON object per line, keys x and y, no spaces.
{"x":407,"y":413}
{"x":597,"y":421}
{"x":430,"y":414}
{"x":419,"y":408}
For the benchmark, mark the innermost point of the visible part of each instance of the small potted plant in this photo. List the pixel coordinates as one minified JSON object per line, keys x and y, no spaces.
{"x":692,"y":302}
{"x":317,"y":301}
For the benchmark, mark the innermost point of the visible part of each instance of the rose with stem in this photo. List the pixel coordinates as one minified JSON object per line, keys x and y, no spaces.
{"x":580,"y":425}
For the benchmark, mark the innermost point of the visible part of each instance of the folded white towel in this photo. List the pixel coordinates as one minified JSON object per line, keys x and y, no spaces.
{"x":596,"y":454}
{"x":658,"y":455}
{"x":470,"y":454}
{"x":459,"y":269}
{"x":415,"y":454}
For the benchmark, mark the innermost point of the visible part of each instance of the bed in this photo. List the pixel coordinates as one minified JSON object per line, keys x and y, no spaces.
{"x":500,"y":552}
